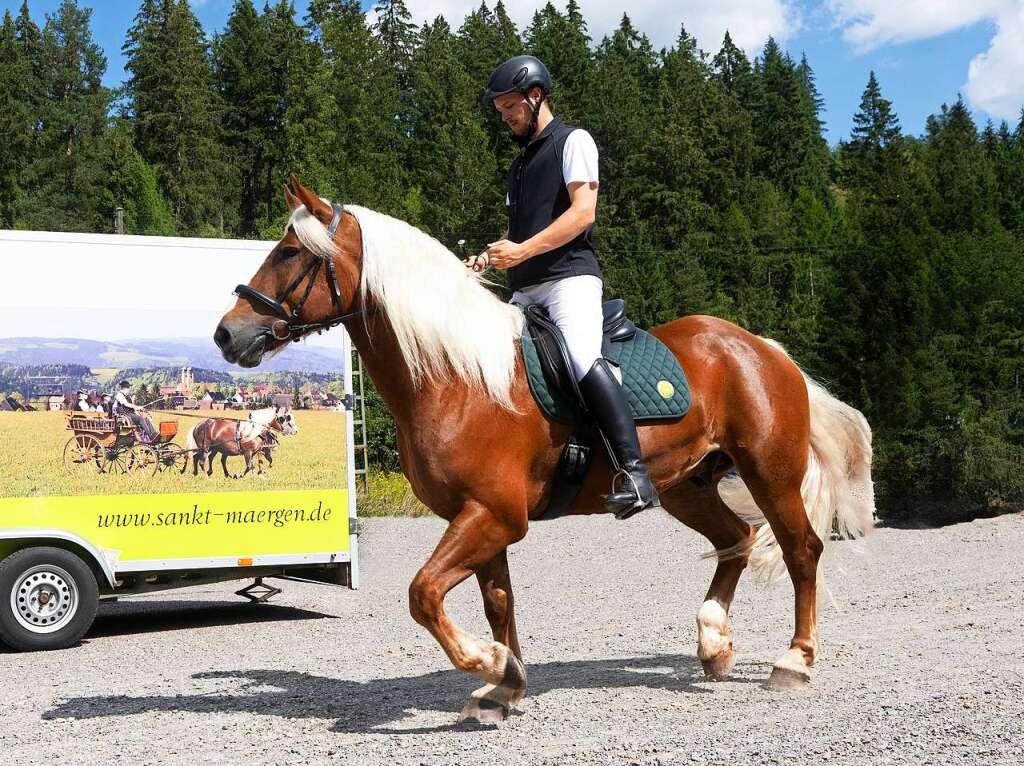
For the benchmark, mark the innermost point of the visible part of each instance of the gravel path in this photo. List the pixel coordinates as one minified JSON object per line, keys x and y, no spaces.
{"x":922,"y":665}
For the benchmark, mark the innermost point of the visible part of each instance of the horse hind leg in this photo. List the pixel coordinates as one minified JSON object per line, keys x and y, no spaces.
{"x":780,"y":500}
{"x":700,"y":507}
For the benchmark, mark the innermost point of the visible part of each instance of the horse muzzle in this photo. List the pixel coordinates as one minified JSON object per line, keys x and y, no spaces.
{"x":244,"y":346}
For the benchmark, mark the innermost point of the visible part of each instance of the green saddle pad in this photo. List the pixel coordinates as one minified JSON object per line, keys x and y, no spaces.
{"x":654,"y":382}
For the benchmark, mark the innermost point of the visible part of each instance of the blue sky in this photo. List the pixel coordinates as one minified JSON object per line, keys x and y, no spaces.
{"x":923,"y":51}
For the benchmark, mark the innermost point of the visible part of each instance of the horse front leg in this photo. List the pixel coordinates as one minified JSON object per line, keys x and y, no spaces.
{"x":470,"y":544}
{"x":252,"y":461}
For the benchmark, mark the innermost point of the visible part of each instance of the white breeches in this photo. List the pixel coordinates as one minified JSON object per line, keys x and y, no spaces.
{"x":574,"y":304}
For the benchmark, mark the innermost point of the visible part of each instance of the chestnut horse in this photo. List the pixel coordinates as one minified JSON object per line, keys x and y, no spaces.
{"x":443,"y":352}
{"x":229,"y":436}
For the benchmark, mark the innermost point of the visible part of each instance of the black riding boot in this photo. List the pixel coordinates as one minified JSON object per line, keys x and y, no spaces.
{"x":608,"y":406}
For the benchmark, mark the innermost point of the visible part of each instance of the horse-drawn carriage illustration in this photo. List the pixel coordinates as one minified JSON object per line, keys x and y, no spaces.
{"x":113,"y":445}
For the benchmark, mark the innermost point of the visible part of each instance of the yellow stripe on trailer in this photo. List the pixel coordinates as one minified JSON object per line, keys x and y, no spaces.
{"x":239,"y":525}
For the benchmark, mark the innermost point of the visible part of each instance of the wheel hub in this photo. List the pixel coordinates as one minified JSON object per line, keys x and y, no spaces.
{"x":44,"y":599}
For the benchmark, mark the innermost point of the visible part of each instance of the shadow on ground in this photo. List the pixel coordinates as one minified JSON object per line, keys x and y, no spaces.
{"x":137,"y":617}
{"x":377,"y":706}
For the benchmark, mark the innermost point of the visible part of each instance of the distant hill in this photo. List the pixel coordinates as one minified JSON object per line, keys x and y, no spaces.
{"x":147,"y":353}
{"x":13,"y":376}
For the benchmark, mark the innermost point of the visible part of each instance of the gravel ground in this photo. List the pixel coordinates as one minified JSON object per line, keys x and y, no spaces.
{"x":922,"y":664}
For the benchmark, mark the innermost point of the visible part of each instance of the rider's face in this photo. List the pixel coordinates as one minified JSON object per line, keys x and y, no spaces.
{"x":516,"y":110}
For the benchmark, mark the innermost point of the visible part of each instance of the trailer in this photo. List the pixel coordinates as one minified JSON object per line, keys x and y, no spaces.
{"x":71,"y":538}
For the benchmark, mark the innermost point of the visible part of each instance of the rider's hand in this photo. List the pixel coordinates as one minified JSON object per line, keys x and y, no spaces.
{"x":505,"y":254}
{"x":478,"y":262}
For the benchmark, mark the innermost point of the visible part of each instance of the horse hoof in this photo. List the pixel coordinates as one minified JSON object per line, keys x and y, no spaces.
{"x":790,"y":672}
{"x":483,"y":712}
{"x":719,"y":667}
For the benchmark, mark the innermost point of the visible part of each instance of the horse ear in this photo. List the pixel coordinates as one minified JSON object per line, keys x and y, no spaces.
{"x":293,"y":201}
{"x":312,"y":202}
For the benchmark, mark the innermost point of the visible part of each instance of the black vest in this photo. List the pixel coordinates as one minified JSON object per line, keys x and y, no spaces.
{"x":536,"y":197}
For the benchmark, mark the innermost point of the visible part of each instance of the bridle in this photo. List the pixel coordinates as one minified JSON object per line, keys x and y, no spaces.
{"x":293,"y":327}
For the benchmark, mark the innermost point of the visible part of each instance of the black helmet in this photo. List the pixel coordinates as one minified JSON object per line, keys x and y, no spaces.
{"x":518,"y":74}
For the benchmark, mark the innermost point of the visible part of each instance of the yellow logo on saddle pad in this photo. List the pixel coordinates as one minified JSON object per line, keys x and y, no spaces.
{"x":666,"y":389}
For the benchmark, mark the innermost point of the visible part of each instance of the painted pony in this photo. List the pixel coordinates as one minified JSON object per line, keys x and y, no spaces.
{"x":230,"y":437}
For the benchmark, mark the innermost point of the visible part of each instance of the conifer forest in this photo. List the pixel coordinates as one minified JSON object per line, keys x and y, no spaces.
{"x":891,"y":266}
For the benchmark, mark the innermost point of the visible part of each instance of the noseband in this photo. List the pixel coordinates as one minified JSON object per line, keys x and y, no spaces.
{"x":293,"y":327}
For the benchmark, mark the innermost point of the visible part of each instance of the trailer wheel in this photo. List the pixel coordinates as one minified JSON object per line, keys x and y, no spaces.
{"x":48,"y":599}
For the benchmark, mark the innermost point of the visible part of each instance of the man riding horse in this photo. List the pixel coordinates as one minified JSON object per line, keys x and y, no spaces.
{"x":549,"y":252}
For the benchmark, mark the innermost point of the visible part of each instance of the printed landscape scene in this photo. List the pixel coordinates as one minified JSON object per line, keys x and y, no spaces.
{"x":45,"y":382}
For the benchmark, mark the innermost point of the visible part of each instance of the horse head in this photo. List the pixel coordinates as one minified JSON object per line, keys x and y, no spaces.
{"x":308,"y":282}
{"x":284,"y":421}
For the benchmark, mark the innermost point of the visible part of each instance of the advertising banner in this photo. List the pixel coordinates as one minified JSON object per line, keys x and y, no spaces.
{"x":121,"y":425}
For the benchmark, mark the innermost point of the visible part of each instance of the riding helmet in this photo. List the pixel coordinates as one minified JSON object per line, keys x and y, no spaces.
{"x":518,"y":74}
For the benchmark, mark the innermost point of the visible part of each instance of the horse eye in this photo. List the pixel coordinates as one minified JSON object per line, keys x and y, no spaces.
{"x":289,"y":252}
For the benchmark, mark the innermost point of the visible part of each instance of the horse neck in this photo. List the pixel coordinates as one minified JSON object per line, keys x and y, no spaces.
{"x":382,"y":358}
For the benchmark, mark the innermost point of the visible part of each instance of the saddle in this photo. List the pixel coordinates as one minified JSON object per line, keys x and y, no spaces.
{"x":652,"y":379}
{"x":553,"y":355}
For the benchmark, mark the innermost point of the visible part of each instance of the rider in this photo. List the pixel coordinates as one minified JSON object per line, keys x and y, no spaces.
{"x":549,"y":252}
{"x":133,"y":412}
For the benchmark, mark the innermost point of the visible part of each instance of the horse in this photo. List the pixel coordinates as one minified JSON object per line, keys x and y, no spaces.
{"x":229,"y":437}
{"x":766,"y":464}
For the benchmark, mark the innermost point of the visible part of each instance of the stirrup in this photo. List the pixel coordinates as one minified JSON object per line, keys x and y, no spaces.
{"x":623,"y":512}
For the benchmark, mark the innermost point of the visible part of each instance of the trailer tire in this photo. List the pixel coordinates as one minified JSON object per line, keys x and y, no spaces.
{"x":48,"y":599}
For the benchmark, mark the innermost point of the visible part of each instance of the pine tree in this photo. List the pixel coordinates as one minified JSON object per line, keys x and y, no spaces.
{"x":484,"y":40}
{"x":242,"y":71}
{"x":69,"y":112}
{"x":291,"y":74}
{"x":962,"y":176}
{"x":675,"y":169}
{"x":15,"y":118}
{"x":397,"y":35}
{"x":562,"y":43}
{"x":359,"y":149}
{"x":791,"y":150}
{"x":30,"y":41}
{"x":446,"y":124}
{"x":124,"y":179}
{"x":172,"y":104}
{"x":876,"y":130}
{"x":624,"y":86}
{"x":732,"y":69}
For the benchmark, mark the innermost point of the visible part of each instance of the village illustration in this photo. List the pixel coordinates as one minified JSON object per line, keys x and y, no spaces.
{"x":76,"y":387}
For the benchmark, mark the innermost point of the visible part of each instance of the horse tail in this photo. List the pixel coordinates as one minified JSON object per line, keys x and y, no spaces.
{"x":190,"y":443}
{"x":837,"y":489}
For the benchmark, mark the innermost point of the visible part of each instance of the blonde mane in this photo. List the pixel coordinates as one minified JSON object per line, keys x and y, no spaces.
{"x":446,"y":322}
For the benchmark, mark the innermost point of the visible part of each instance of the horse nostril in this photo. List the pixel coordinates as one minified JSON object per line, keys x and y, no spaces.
{"x":222,"y":337}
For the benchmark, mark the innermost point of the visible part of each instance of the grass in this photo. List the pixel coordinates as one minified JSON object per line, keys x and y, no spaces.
{"x":32,"y":448}
{"x":389,"y":495}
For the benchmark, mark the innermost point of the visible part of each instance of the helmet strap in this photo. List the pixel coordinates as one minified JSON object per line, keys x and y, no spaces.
{"x":524,"y":140}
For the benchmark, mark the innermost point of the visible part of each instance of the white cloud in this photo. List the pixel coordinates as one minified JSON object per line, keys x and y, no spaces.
{"x":750,"y":22}
{"x":994,"y":81}
{"x":993,"y":85}
{"x":868,"y":24}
